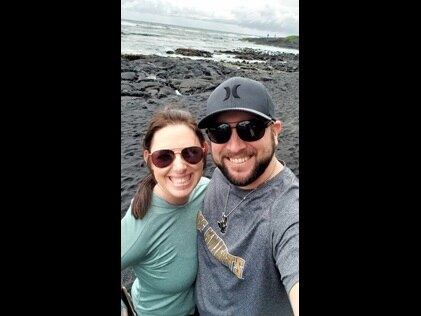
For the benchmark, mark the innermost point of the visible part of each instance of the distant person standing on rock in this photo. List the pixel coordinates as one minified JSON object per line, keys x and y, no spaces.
{"x":248,"y":242}
{"x":158,"y":231}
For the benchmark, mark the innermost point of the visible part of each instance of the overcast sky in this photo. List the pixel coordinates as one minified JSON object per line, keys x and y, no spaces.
{"x":255,"y":17}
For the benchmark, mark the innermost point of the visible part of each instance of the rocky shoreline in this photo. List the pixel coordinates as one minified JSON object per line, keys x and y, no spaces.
{"x":149,"y":82}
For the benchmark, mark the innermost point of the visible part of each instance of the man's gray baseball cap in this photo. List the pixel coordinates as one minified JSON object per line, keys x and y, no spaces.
{"x":239,"y":94}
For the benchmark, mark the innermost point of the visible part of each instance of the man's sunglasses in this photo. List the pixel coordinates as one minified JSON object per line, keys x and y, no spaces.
{"x":165,"y":157}
{"x":249,"y":131}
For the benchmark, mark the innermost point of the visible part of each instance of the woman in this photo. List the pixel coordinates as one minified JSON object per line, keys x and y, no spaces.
{"x":158,"y":232}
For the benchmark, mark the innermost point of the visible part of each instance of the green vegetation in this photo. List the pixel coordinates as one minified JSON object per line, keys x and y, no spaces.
{"x":292,"y":41}
{"x":292,"y":38}
{"x":133,"y":56}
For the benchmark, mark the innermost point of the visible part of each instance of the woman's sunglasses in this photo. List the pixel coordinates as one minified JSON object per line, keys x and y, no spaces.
{"x":249,"y":131}
{"x":165,"y":157}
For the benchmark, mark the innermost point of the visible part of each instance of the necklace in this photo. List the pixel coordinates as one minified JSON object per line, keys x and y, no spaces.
{"x":223,"y":223}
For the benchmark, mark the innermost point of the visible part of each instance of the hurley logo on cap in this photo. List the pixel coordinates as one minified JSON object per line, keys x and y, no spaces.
{"x":234,"y":92}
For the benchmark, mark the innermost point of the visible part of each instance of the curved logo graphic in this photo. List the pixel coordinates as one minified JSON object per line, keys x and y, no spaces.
{"x":219,"y":249}
{"x":234,"y":92}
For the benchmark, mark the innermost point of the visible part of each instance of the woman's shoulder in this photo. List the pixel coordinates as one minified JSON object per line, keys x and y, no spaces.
{"x":200,"y":187}
{"x":204,"y":181}
{"x":202,"y":184}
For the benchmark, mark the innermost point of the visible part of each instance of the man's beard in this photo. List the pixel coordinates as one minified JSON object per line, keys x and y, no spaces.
{"x":257,"y":171}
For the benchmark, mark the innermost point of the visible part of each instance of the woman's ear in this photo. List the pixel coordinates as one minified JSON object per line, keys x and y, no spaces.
{"x":146,"y":156}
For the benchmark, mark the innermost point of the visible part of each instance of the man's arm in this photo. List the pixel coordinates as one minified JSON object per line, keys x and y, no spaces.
{"x":294,"y":298}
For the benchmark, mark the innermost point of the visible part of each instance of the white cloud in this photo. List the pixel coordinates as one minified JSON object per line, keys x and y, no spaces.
{"x":274,"y":16}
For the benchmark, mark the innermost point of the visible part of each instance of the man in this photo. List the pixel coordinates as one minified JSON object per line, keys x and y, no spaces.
{"x":248,"y":243}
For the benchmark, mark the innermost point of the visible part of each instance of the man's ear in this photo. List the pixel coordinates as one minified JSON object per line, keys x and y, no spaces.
{"x":278,"y":127}
{"x":206,"y":147}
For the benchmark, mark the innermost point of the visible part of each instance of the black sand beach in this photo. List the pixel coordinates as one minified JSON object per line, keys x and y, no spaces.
{"x":150,"y":82}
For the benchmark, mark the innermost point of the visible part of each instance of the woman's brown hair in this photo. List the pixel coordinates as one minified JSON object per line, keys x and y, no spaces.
{"x":170,"y":115}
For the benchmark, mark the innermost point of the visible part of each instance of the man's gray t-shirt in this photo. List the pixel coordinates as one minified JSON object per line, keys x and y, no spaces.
{"x":250,"y":268}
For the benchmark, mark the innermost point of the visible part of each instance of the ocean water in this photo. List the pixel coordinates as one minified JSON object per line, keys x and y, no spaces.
{"x":157,"y":39}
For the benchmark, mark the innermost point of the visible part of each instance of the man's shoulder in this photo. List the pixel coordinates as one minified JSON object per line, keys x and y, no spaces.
{"x":289,"y":177}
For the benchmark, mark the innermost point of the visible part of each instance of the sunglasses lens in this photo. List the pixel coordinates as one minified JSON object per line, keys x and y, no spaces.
{"x":252,"y":130}
{"x":249,"y":131}
{"x":163,"y":158}
{"x":192,"y":155}
{"x":219,"y":134}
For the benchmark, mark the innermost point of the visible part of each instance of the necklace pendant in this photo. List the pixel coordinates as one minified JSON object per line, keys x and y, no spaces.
{"x":223,"y":224}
